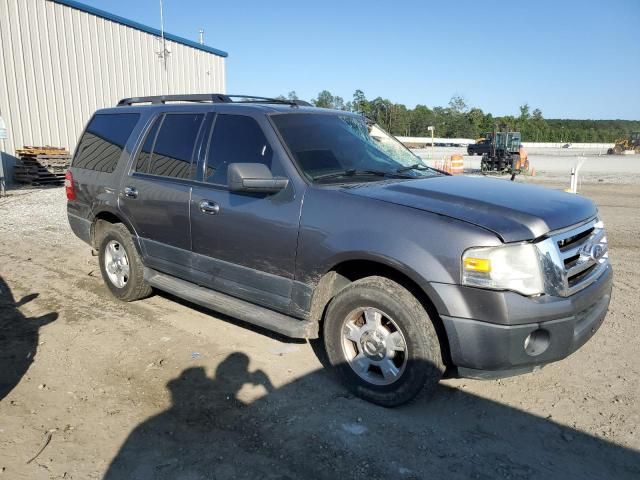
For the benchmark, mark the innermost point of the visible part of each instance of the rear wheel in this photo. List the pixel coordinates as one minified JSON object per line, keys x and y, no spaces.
{"x":120,"y":264}
{"x":382,"y":342}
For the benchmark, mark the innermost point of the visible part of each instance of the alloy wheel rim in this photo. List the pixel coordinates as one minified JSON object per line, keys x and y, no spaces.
{"x":116,"y":264}
{"x":374,"y":346}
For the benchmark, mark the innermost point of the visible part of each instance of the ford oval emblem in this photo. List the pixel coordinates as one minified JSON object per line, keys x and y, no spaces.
{"x":592,"y":251}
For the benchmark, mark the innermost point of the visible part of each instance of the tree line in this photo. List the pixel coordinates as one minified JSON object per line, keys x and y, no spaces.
{"x":459,"y":120}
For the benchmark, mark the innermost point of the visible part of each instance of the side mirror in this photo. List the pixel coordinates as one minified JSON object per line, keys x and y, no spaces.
{"x":253,"y":178}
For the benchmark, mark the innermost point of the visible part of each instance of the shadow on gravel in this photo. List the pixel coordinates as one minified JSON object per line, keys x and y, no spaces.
{"x":18,"y":338}
{"x":311,"y":429}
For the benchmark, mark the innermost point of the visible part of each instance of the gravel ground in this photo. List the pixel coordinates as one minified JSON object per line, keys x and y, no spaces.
{"x":160,"y":389}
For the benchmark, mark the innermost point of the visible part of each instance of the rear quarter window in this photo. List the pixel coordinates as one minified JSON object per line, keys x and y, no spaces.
{"x":104,"y":139}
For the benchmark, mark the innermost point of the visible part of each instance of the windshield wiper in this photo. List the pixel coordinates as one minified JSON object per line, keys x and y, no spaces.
{"x":415,"y":166}
{"x":352,"y":172}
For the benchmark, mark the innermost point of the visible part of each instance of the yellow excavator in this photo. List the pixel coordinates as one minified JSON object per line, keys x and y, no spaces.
{"x":630,"y":144}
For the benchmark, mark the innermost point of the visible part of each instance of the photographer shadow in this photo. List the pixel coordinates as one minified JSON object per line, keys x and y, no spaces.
{"x":19,"y":338}
{"x":311,"y":428}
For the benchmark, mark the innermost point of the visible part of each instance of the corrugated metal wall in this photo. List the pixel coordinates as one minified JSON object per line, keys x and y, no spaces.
{"x":59,"y":64}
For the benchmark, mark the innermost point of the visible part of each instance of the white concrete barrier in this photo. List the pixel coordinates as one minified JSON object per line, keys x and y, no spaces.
{"x":562,"y":144}
{"x":426,"y":141}
{"x":437,"y":140}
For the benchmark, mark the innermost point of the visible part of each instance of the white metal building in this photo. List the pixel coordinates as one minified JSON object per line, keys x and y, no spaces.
{"x":60,"y":60}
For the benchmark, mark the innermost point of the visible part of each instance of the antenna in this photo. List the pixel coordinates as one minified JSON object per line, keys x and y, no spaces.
{"x":164,"y":53}
{"x":201,"y":38}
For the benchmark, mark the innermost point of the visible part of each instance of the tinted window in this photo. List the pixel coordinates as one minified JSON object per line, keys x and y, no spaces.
{"x":173,"y":149}
{"x":103,"y":141}
{"x":235,"y":139}
{"x":142,"y":162}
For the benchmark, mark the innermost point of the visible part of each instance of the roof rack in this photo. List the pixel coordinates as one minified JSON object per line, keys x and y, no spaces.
{"x":209,"y":98}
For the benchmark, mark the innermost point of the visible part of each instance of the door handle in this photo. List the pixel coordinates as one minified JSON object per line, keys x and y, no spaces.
{"x":209,"y":207}
{"x":130,"y":192}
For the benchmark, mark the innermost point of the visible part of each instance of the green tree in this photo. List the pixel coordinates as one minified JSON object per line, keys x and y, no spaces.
{"x":381,"y":112}
{"x":421,"y":118}
{"x":338,"y":103}
{"x":458,"y":119}
{"x":324,"y":100}
{"x":360,"y":104}
{"x":458,"y":104}
{"x":476,"y":120}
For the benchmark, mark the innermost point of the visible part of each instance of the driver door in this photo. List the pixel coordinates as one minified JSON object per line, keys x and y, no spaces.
{"x":244,"y":244}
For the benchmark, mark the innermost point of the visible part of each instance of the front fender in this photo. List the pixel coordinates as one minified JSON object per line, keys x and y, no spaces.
{"x":425,"y":247}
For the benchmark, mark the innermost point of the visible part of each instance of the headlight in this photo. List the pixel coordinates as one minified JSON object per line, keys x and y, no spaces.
{"x":508,"y":267}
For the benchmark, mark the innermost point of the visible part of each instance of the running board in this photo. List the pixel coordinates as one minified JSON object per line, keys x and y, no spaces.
{"x":232,"y":306}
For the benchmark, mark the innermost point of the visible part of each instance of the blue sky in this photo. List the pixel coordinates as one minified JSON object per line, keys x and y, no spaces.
{"x":571,"y":59}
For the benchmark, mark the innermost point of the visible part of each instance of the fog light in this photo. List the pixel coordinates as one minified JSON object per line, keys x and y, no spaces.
{"x":536,"y":342}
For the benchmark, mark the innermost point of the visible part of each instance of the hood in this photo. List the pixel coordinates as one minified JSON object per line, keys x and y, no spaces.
{"x":513,"y":211}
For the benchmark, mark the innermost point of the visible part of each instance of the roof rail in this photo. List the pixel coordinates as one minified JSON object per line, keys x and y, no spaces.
{"x":159,"y":99}
{"x":209,"y":98}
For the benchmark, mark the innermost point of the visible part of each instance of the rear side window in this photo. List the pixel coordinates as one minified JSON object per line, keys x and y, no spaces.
{"x":235,"y":139}
{"x":103,"y":141}
{"x":171,"y":154}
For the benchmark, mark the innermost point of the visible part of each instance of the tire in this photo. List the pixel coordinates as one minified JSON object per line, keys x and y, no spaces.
{"x":354,"y":347}
{"x":117,"y":250}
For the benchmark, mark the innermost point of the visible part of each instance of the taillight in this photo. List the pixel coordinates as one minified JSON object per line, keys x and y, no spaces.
{"x":68,"y":186}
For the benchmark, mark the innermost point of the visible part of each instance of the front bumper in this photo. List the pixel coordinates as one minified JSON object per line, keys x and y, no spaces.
{"x":487,"y":330}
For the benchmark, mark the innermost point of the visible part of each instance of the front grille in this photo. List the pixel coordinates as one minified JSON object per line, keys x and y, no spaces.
{"x":574,"y":258}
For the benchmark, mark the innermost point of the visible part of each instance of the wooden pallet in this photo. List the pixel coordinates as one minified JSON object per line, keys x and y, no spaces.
{"x":41,"y":165}
{"x":52,"y":162}
{"x":40,"y":180}
{"x":46,"y":150}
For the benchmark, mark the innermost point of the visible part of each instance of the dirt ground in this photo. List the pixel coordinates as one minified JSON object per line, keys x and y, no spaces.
{"x":160,"y":389}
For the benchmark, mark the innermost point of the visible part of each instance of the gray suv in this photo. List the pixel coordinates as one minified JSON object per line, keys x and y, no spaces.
{"x":316,"y":223}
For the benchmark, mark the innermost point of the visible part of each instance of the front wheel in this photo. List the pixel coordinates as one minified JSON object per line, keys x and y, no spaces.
{"x":381,"y":341}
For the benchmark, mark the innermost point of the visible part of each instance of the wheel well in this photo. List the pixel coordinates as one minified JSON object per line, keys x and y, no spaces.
{"x":99,"y":222}
{"x":347,"y":272}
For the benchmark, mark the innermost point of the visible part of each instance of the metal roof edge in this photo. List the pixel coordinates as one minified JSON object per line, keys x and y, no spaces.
{"x":139,"y":26}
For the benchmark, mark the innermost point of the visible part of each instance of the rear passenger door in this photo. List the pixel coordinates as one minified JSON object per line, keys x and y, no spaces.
{"x":155,"y":195}
{"x":247,"y":247}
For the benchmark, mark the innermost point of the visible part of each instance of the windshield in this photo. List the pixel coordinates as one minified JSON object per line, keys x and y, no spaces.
{"x":338,"y":148}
